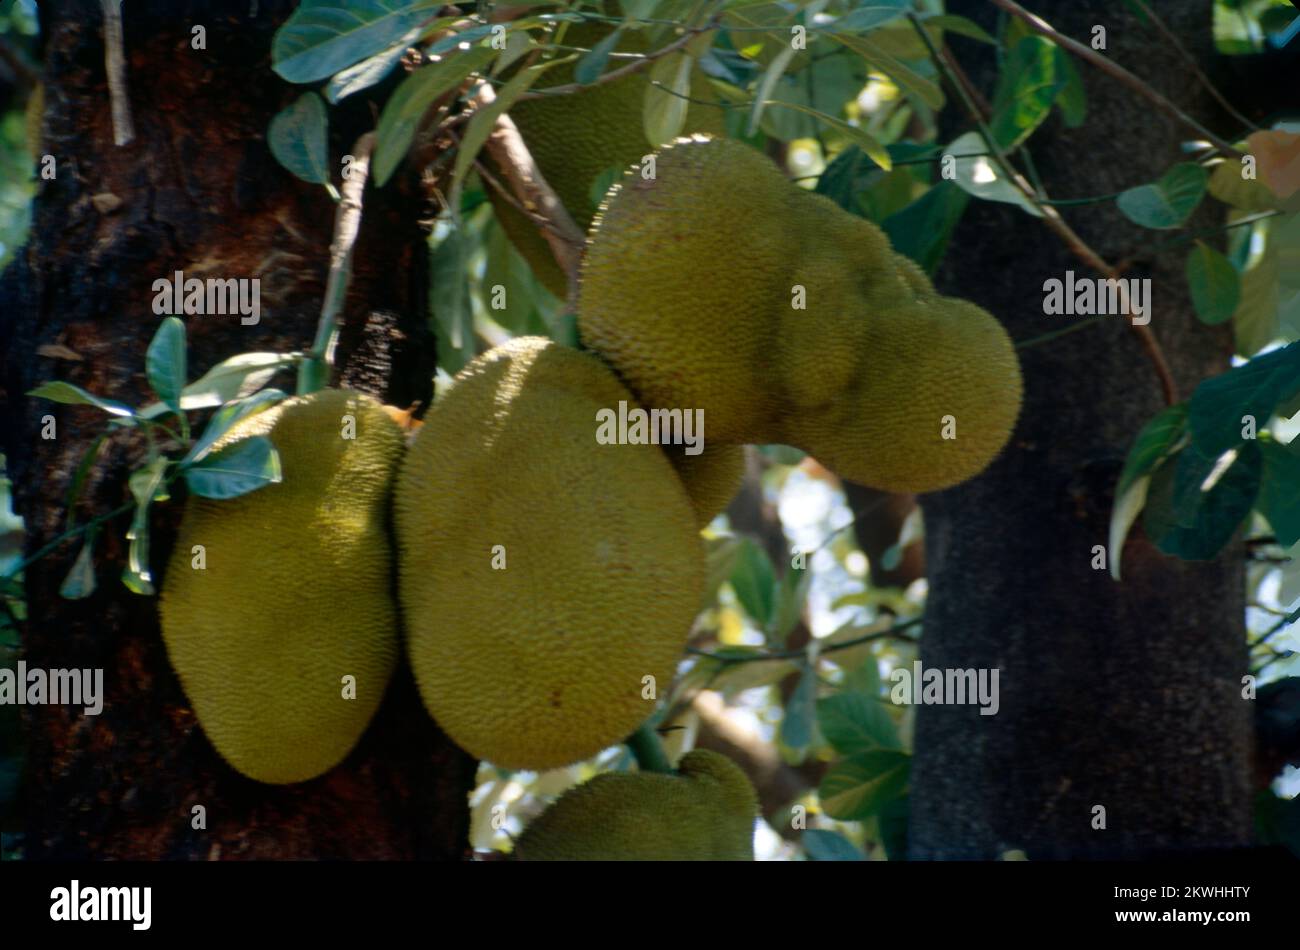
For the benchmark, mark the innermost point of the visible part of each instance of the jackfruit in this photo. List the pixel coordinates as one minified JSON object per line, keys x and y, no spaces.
{"x":542,"y":575}
{"x":574,"y":137}
{"x":719,"y":285}
{"x":704,"y":813}
{"x":294,"y":594}
{"x":711,"y":478}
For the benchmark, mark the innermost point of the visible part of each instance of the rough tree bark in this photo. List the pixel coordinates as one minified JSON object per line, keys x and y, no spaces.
{"x":196,"y":191}
{"x":1124,"y":695}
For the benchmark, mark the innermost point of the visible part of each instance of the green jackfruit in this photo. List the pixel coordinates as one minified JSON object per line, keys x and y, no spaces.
{"x":711,"y":479}
{"x":719,"y":285}
{"x":295,"y":592}
{"x":543,"y":575}
{"x":704,"y":813}
{"x":576,"y":137}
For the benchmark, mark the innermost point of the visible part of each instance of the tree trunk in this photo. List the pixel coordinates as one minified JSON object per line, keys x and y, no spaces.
{"x":1120,"y":695}
{"x":198,"y":191}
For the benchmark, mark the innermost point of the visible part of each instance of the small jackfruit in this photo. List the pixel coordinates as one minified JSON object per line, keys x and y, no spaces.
{"x":574,"y":137}
{"x":543,"y":575}
{"x":294,"y":591}
{"x":705,"y":812}
{"x":711,"y":478}
{"x":720,"y":285}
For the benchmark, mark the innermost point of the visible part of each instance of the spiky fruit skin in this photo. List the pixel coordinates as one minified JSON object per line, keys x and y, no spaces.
{"x":296,"y":592}
{"x":711,"y":478}
{"x":688,"y":289}
{"x":575,"y":137}
{"x":542,"y":575}
{"x":705,"y":812}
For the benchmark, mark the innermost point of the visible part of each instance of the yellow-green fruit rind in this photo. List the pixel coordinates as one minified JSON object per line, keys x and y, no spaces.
{"x":704,"y":813}
{"x":295,"y":592}
{"x":719,"y":285}
{"x":575,"y":137}
{"x":543,"y":575}
{"x":711,"y":478}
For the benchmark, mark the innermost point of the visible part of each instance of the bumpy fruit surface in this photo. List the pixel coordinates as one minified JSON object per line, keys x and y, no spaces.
{"x":575,"y":137}
{"x":543,"y":575}
{"x":711,"y":478}
{"x":295,"y":594}
{"x":690,"y":288}
{"x":704,"y":813}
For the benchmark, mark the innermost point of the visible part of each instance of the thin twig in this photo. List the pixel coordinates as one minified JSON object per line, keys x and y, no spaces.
{"x":511,"y":156}
{"x":891,"y":634}
{"x":115,"y":67}
{"x":313,"y":373}
{"x":1190,"y":60}
{"x":1053,"y":220}
{"x":1114,"y":70}
{"x":616,"y":74}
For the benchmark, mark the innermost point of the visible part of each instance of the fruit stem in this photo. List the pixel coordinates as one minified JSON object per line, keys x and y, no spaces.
{"x":649,"y":751}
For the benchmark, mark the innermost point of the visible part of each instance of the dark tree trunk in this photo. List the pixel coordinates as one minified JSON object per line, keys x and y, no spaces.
{"x":196,"y":191}
{"x":1121,"y":695}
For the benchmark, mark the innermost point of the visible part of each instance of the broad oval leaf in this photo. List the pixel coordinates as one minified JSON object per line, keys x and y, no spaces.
{"x":326,"y":36}
{"x":1279,"y":490}
{"x":667,"y":97}
{"x":238,"y":469}
{"x":856,"y":722}
{"x":977,"y":173}
{"x":1166,"y":203}
{"x":297,"y":138}
{"x":1154,"y":443}
{"x":1214,"y":284}
{"x":369,"y":71}
{"x":754,"y":582}
{"x":859,"y":786}
{"x":1252,"y":389}
{"x":71,"y":395}
{"x":164,"y":362}
{"x":230,"y":379}
{"x":227,"y":416}
{"x":1198,"y":524}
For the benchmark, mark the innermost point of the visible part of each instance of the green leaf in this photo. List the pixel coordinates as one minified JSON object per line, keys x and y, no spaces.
{"x":1279,"y":490}
{"x":1214,"y":283}
{"x":224,"y":419}
{"x":1255,"y":322}
{"x":800,"y":712}
{"x":238,"y":469}
{"x":1244,"y":194}
{"x":977,"y":173}
{"x":601,"y":184}
{"x":878,"y":153}
{"x":230,"y":379}
{"x":869,"y":16}
{"x":147,"y":485}
{"x":754,"y":582}
{"x":856,"y":722}
{"x":767,"y":85}
{"x":892,"y":822}
{"x":962,"y":27}
{"x":449,"y":303}
{"x":1156,"y":440}
{"x":69,"y":394}
{"x":369,"y":71}
{"x":1027,"y":86}
{"x":822,"y":845}
{"x":591,"y":64}
{"x":164,"y":362}
{"x":841,"y":180}
{"x":1252,"y":389}
{"x":922,"y":230}
{"x":1209,"y":513}
{"x":790,"y":599}
{"x":322,"y":37}
{"x":903,"y":75}
{"x":80,"y":582}
{"x":1168,"y":202}
{"x":859,"y":786}
{"x":663,"y":115}
{"x":411,"y":100}
{"x":297,"y":138}
{"x":1071,"y":100}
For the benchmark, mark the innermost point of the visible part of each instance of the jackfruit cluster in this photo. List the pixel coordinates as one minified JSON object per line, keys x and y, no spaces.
{"x":576,"y":137}
{"x":720,"y":285}
{"x":548,"y":582}
{"x":290,"y":592}
{"x":705,"y":812}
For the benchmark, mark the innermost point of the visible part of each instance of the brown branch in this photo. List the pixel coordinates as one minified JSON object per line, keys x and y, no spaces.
{"x":1115,"y":71}
{"x":512,"y":158}
{"x":1053,"y":220}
